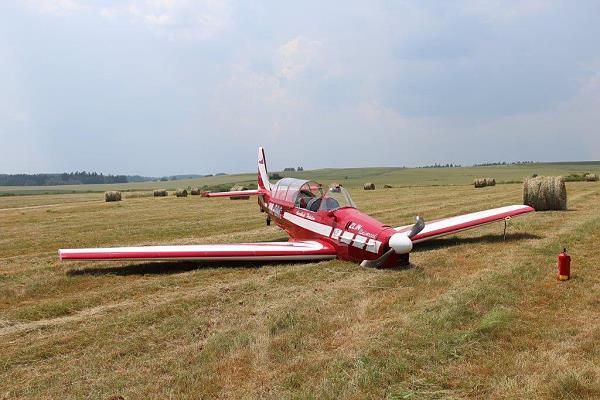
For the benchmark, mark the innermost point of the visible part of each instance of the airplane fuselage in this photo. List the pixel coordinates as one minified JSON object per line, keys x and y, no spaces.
{"x":355,"y":235}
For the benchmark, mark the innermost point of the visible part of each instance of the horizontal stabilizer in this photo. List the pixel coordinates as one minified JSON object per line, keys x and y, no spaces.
{"x":234,"y":193}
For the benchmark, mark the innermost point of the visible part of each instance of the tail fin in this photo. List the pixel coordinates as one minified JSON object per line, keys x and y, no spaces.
{"x":263,"y":176}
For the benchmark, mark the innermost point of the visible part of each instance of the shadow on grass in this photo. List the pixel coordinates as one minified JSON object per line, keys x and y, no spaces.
{"x":457,"y":241}
{"x":170,"y":267}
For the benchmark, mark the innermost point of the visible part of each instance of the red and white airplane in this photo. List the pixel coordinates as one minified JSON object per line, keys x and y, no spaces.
{"x":321,"y":225}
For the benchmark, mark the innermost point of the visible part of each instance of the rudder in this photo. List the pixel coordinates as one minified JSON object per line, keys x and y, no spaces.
{"x":263,"y":176}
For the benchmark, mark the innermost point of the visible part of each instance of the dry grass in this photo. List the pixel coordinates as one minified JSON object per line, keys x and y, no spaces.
{"x":477,"y":317}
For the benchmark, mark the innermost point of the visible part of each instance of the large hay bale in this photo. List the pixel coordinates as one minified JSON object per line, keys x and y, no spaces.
{"x":545,"y":193}
{"x":160,"y":192}
{"x":195,"y":191}
{"x":112,"y":196}
{"x":369,"y":186}
{"x":181,"y":193}
{"x":479,"y":182}
{"x":591,"y":178}
{"x":238,"y":188}
{"x":490,"y":182}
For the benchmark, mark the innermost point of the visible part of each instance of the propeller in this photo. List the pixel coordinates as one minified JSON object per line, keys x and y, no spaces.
{"x":400,"y":243}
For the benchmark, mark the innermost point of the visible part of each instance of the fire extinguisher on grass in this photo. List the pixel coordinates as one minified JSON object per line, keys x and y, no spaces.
{"x":564,"y":266}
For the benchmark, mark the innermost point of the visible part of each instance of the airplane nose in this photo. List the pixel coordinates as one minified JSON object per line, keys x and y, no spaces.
{"x":400,"y":243}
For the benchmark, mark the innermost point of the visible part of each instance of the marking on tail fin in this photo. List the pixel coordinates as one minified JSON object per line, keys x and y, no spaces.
{"x":263,"y":176}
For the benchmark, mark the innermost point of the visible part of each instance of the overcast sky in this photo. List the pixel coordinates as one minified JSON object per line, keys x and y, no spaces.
{"x":161,"y":87}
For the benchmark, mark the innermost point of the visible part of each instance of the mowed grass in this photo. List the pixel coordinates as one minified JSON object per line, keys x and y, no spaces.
{"x":475,"y":317}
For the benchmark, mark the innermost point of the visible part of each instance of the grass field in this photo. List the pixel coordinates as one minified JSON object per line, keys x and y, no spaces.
{"x":475,"y":317}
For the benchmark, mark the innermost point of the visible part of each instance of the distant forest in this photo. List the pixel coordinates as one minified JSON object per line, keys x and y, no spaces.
{"x":83,"y":178}
{"x":72,"y":178}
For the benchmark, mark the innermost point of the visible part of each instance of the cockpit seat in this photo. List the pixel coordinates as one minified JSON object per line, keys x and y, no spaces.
{"x":314,"y":204}
{"x":331,"y":203}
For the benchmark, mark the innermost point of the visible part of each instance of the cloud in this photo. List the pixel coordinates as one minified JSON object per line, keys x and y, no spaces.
{"x":177,"y":19}
{"x":296,"y":55}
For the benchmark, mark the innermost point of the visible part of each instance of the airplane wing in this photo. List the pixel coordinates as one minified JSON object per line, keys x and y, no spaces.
{"x":234,"y":193}
{"x":459,"y":223}
{"x":293,"y":250}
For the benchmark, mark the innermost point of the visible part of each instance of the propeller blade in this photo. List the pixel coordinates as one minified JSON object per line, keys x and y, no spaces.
{"x":377,"y":262}
{"x":417,"y":227}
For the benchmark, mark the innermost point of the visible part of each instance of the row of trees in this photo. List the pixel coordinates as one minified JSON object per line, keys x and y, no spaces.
{"x":503,"y":163}
{"x":436,"y":165}
{"x":72,"y":178}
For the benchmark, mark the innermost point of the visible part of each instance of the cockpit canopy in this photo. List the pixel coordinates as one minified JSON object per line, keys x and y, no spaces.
{"x":309,"y":195}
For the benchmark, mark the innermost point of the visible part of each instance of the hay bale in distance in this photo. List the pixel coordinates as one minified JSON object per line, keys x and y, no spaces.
{"x":181,"y":193}
{"x":591,"y":178}
{"x":112,"y":196}
{"x":479,"y":182}
{"x":490,"y":182}
{"x":387,"y":186}
{"x":160,"y":192}
{"x":195,"y":191}
{"x":237,"y":188}
{"x":369,"y":186}
{"x":545,"y":193}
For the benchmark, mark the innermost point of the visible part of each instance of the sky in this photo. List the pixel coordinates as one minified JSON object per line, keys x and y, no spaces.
{"x":162,"y":87}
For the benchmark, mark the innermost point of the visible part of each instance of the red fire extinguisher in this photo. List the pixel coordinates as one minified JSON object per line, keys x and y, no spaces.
{"x":564,"y":266}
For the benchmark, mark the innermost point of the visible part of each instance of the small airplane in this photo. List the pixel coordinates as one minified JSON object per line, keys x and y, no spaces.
{"x":321,"y":225}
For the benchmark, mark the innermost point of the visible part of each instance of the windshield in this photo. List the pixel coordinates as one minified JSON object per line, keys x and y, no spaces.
{"x":336,"y":197}
{"x":311,"y":197}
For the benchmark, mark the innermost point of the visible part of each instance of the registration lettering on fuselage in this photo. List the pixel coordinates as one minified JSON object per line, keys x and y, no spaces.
{"x":276,"y":209}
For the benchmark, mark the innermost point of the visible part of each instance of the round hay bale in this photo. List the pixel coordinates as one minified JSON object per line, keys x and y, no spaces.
{"x":479,"y":182}
{"x":369,"y":186}
{"x":195,"y":191}
{"x":181,"y":193}
{"x":591,"y":178}
{"x":545,"y":193}
{"x":387,"y":186}
{"x":237,"y":188}
{"x":112,"y":196}
{"x":490,"y":182}
{"x":160,"y":192}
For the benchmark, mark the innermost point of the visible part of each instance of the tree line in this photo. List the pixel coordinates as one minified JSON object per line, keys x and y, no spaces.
{"x":70,"y":178}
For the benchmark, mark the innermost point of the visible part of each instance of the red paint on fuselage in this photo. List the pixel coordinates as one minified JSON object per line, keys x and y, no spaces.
{"x":346,"y":219}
